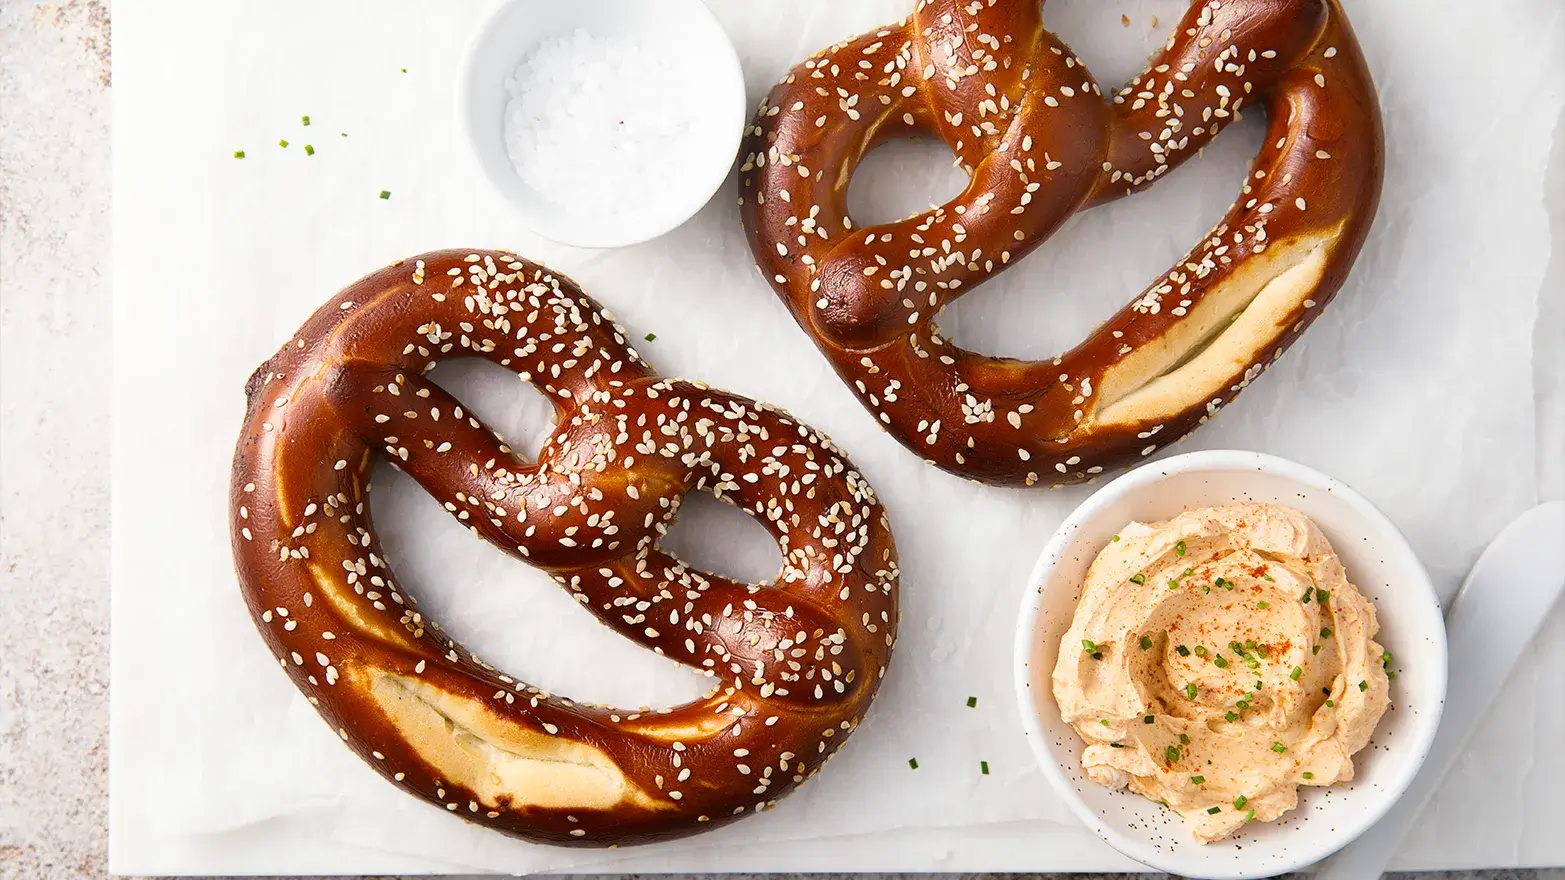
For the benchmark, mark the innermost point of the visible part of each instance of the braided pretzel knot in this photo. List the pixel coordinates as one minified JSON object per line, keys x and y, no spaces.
{"x":797,"y":660}
{"x":1025,"y":118}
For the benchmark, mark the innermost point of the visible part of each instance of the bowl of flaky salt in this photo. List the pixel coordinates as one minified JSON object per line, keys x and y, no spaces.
{"x":603,"y":123}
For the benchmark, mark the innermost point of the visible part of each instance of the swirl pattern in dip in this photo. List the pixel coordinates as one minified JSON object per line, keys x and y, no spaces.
{"x":1219,"y":661}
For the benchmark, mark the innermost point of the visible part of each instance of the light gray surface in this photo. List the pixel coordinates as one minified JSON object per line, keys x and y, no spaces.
{"x":54,"y":406}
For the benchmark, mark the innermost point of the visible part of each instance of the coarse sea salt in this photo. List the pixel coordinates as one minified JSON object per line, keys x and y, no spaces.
{"x":603,"y":123}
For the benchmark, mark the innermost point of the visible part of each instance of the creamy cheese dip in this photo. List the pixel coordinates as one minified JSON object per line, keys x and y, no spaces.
{"x":1220,"y":660}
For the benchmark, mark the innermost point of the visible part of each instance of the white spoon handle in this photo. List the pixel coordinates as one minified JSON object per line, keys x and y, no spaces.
{"x":1499,"y":609}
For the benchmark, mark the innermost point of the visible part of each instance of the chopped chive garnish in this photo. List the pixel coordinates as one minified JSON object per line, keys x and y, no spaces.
{"x":1279,"y":748}
{"x":309,"y":150}
{"x":1325,"y":632}
{"x":1147,"y":719}
{"x":1264,"y":650}
{"x":1220,"y":661}
{"x":1268,"y":577}
{"x":1187,"y":572}
{"x":344,"y":134}
{"x":1172,"y":754}
{"x":1182,"y":651}
{"x":1184,"y":739}
{"x":385,"y":193}
{"x":1103,"y":721}
{"x":1138,"y":579}
{"x":1089,"y":645}
{"x":1250,"y":816}
{"x":1315,"y":649}
{"x":984,"y":766}
{"x":1252,"y":663}
{"x":1232,"y":716}
{"x":304,"y":120}
{"x":1146,"y":643}
{"x":1296,"y":674}
{"x":1391,"y":673}
{"x":283,"y":144}
{"x":1322,"y":596}
{"x":912,"y":762}
{"x":1331,"y":704}
{"x":1198,"y":779}
{"x":1308,"y":592}
{"x":1214,"y":810}
{"x":1115,"y":538}
{"x":1236,"y":648}
{"x":650,"y":337}
{"x":1385,"y":658}
{"x":1200,"y":650}
{"x":1220,"y":582}
{"x":1243,"y":705}
{"x":1240,"y":801}
{"x":972,"y":702}
{"x":404,"y":70}
{"x":1190,"y":690}
{"x":1180,"y":548}
{"x":1257,"y":684}
{"x":1173,"y":583}
{"x":239,"y":154}
{"x":1363,"y":685}
{"x":1307,"y":775}
{"x":1263,"y":605}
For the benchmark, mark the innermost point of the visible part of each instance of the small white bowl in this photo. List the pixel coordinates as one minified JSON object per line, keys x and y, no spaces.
{"x":1379,"y":562}
{"x":684,"y":26}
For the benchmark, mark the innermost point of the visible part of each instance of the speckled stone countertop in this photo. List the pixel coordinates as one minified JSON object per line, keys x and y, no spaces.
{"x":54,"y":408}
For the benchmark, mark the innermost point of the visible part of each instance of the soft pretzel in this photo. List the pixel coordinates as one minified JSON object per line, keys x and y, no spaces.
{"x":796,"y":661}
{"x":1026,"y":119}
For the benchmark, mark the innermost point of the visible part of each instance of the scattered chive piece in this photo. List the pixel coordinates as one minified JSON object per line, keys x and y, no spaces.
{"x":1325,"y":632}
{"x":344,"y":134}
{"x":1147,"y":719}
{"x":1182,"y":651}
{"x":1172,"y":754}
{"x":239,"y":154}
{"x":1268,"y":577}
{"x":1232,"y":716}
{"x":1296,"y":674}
{"x":972,"y":702}
{"x":1263,"y":605}
{"x":1146,"y":643}
{"x":912,"y":762}
{"x":1315,"y":649}
{"x":984,"y":766}
{"x":1221,"y":661}
{"x":385,"y":194}
{"x":1089,"y":645}
{"x":1252,"y":663}
{"x":1308,"y":592}
{"x":1279,"y":748}
{"x":404,"y":70}
{"x":1236,"y":648}
{"x":1138,"y":579}
{"x":1187,"y":572}
{"x":1240,"y":801}
{"x":650,"y":337}
{"x":1257,"y":684}
{"x":1331,"y":704}
{"x":1322,"y":596}
{"x":1220,"y":582}
{"x":304,"y":120}
{"x":1200,"y":650}
{"x":1249,"y":816}
{"x":1307,"y":775}
{"x":1115,"y":538}
{"x":1180,"y":548}
{"x":1190,"y":690}
{"x":1385,"y":658}
{"x":1363,"y":685}
{"x":309,"y":150}
{"x":1103,"y":721}
{"x":1215,"y":810}
{"x":1198,"y":779}
{"x":1184,"y":739}
{"x":1173,"y":583}
{"x":283,"y":144}
{"x":1391,"y":673}
{"x":1264,"y":650}
{"x":1243,"y":705}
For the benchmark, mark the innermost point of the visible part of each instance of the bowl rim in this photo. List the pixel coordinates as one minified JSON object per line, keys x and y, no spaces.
{"x":602,"y":236}
{"x":1430,"y":624}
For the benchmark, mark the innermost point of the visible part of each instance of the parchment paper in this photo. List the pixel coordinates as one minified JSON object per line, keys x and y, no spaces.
{"x":1416,"y":386}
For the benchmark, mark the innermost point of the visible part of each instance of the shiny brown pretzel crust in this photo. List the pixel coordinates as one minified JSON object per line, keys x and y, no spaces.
{"x":1027,"y":120}
{"x":796,"y":661}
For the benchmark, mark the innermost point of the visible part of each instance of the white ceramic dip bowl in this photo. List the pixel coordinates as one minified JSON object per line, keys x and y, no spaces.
{"x":685,"y":43}
{"x":1378,"y":561}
